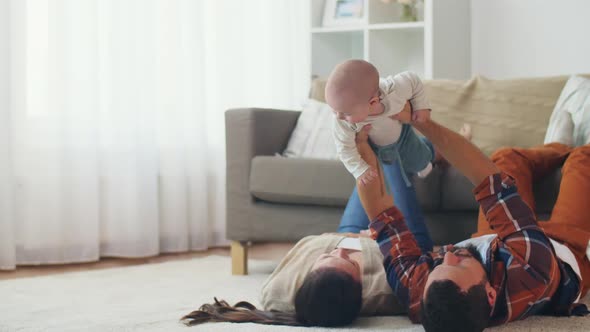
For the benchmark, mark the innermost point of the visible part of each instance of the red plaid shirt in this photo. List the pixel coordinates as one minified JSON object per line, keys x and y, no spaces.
{"x":521,"y":262}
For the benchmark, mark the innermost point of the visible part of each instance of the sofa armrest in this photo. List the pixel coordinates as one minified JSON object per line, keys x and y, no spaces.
{"x":250,"y":132}
{"x":255,"y":131}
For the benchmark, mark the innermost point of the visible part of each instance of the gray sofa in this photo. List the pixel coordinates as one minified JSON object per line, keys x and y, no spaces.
{"x":271,"y":198}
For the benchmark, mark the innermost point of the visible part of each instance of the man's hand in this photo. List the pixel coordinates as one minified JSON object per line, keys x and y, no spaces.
{"x":422,"y":115}
{"x":368,"y":176}
{"x":405,"y":116}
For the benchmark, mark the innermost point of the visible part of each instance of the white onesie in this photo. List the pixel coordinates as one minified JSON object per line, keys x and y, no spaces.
{"x":394,"y":93}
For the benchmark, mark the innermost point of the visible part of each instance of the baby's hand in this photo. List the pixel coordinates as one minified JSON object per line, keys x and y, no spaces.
{"x":368,"y":176}
{"x":421,"y":115}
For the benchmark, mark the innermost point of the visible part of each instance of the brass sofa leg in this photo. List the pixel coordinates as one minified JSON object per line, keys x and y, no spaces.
{"x":239,"y":258}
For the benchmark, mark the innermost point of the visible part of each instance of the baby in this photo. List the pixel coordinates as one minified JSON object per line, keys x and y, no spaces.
{"x":359,"y":98}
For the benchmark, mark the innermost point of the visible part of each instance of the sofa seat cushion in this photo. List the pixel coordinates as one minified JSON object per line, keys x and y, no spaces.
{"x":546,"y":191}
{"x":457,"y":192}
{"x":300,"y":181}
{"x":320,"y":182}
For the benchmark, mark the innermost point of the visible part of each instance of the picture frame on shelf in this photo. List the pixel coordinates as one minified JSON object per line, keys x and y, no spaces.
{"x":343,"y":12}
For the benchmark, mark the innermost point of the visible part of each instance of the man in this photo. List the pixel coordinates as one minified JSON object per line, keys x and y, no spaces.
{"x":514,"y":270}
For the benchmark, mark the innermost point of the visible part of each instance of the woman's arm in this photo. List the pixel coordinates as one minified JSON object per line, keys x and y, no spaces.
{"x":344,"y":139}
{"x":373,"y":194}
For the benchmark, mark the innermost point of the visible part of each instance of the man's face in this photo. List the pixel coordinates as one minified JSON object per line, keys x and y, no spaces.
{"x":339,"y":259}
{"x":462,"y":265}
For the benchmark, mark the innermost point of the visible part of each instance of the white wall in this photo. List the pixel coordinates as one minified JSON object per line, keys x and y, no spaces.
{"x":526,"y":38}
{"x":4,"y":74}
{"x":4,"y":24}
{"x":6,"y":221}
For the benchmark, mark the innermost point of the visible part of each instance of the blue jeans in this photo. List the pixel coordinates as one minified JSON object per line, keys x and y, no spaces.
{"x":355,"y":219}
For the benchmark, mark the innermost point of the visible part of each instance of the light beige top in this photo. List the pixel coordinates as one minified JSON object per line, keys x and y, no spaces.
{"x":278,"y":292}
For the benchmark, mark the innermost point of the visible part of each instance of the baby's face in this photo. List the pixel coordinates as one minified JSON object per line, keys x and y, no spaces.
{"x":353,"y":114}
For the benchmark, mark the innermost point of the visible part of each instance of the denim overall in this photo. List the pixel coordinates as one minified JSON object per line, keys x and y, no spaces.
{"x":411,"y":152}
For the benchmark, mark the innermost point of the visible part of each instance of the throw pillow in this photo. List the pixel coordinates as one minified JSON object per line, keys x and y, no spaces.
{"x":312,"y":136}
{"x":501,"y":113}
{"x":570,"y":121}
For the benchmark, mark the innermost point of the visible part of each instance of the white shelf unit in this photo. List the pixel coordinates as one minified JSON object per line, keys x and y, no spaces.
{"x":436,"y":46}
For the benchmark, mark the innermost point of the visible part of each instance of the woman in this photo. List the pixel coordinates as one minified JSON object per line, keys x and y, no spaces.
{"x":318,"y":283}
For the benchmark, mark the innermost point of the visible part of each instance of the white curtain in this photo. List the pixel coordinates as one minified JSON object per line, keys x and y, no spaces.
{"x":112,"y":137}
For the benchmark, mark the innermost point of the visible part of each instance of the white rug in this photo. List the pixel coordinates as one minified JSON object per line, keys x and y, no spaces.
{"x":153,"y":298}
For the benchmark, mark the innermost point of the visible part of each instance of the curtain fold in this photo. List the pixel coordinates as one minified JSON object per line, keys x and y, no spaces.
{"x":7,"y":244}
{"x":111,"y":118}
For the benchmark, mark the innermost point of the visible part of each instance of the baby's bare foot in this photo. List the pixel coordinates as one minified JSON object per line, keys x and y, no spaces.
{"x":465,"y":131}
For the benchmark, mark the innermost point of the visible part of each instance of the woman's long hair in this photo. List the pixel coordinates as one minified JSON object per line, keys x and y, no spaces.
{"x":327,"y":297}
{"x":241,"y":312}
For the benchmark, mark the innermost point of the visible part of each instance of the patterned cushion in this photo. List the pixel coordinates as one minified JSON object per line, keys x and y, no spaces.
{"x":511,"y":112}
{"x":312,"y":136}
{"x":501,"y":112}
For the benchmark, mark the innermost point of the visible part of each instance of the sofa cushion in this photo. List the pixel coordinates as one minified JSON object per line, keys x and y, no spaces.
{"x":570,"y":121}
{"x":457,"y":192}
{"x":501,"y":112}
{"x":312,"y":136}
{"x":546,"y":191}
{"x":300,"y":181}
{"x":320,"y":182}
{"x":512,"y":112}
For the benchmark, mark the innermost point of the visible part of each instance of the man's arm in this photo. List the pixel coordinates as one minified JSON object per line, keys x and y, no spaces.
{"x":504,"y":209}
{"x":458,"y":151}
{"x":492,"y":188}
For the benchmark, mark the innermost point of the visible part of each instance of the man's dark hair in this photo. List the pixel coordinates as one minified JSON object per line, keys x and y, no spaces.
{"x":328,"y":297}
{"x":447,"y":308}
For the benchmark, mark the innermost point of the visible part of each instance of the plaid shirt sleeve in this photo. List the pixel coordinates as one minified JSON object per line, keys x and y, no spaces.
{"x":531,"y":272}
{"x":406,"y":267}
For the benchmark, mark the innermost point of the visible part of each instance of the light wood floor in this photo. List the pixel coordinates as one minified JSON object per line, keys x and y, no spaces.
{"x":266,"y":251}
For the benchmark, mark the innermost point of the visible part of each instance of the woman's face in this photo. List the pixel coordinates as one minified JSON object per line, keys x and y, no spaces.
{"x":339,"y":259}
